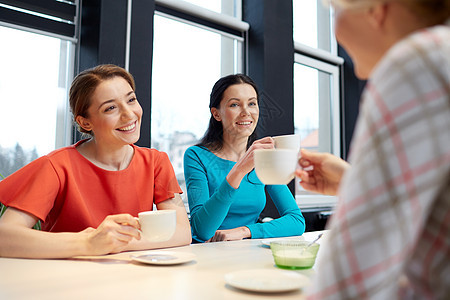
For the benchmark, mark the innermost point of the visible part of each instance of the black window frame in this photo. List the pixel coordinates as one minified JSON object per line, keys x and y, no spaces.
{"x":49,"y":16}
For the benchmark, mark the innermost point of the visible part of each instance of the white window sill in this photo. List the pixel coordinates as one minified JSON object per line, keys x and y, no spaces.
{"x":315,"y":201}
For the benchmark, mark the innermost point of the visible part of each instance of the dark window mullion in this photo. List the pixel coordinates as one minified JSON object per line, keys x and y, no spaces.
{"x":36,"y":22}
{"x":62,"y":10}
{"x":198,"y":20}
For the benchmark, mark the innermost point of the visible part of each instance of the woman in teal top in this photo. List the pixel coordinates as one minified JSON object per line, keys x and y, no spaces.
{"x":225,"y":195}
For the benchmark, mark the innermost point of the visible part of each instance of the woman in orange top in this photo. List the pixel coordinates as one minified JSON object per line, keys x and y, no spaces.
{"x":87,"y":194}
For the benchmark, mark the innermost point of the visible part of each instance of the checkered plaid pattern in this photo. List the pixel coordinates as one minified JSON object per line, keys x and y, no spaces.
{"x":390,"y":234}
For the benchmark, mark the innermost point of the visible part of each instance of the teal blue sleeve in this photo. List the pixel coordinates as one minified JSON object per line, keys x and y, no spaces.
{"x":207,"y":213}
{"x":291,"y":221}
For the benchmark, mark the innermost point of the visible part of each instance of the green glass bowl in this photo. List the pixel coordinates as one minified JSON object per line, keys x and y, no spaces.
{"x":294,"y":254}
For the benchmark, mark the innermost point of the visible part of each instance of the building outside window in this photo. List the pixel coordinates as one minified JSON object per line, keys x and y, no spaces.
{"x":188,"y":58}
{"x":35,"y":73}
{"x":36,"y":68}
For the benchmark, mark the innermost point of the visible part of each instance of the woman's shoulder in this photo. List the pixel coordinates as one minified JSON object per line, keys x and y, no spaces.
{"x":422,"y":49}
{"x":198,"y":151}
{"x":62,"y":153}
{"x":149,"y":153}
{"x":200,"y":155}
{"x":67,"y":150}
{"x":419,"y":60}
{"x":52,"y":162}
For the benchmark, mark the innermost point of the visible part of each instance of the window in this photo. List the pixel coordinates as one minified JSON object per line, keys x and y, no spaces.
{"x":316,"y":115}
{"x":316,"y":88}
{"x":36,"y":67}
{"x":313,"y":25}
{"x":316,"y":104}
{"x":188,"y":58}
{"x":35,"y":72}
{"x":227,"y":7}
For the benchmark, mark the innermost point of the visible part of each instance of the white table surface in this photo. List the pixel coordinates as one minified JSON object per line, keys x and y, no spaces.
{"x":118,"y":277}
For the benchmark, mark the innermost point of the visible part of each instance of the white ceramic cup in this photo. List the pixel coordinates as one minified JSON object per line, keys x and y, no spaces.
{"x":290,"y":141}
{"x":158,"y":225}
{"x":275,"y":166}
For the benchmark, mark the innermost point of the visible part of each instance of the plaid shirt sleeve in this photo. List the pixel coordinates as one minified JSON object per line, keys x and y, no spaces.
{"x":390,"y":234}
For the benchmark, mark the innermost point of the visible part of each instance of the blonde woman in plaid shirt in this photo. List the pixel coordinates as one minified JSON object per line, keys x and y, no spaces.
{"x":390,"y":234}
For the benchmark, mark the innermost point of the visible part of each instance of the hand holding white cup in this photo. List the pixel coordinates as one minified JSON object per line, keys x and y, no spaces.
{"x":277,"y":166}
{"x":158,"y":225}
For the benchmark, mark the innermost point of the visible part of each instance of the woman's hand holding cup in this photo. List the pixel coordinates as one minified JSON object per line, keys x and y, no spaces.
{"x":157,"y":225}
{"x":247,"y":163}
{"x":112,"y":235}
{"x":322,"y":172}
{"x":277,"y":166}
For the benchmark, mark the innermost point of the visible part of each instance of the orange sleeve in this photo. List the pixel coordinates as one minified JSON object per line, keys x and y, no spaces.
{"x":166,"y":184}
{"x":32,"y":188}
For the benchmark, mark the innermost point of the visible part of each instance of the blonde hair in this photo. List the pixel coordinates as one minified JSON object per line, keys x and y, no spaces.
{"x":432,"y":11}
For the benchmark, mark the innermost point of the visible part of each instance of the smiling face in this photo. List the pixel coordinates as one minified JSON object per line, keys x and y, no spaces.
{"x":114,"y":115}
{"x":238,"y":111}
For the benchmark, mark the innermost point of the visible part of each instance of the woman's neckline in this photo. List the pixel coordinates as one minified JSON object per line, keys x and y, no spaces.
{"x":98,"y":166}
{"x":221,"y":158}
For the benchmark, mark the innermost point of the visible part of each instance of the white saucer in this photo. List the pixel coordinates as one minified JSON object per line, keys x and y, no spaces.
{"x":266,"y":242}
{"x":267,"y":280}
{"x":164,"y":258}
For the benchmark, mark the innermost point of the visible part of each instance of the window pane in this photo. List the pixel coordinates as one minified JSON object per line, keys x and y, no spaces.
{"x":312,"y":24}
{"x":187,"y":61}
{"x":312,"y":104}
{"x":33,"y":89}
{"x":312,"y":109}
{"x":227,"y":7}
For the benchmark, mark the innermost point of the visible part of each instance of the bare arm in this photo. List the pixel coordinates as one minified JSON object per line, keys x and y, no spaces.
{"x":20,"y":240}
{"x":182,"y":235}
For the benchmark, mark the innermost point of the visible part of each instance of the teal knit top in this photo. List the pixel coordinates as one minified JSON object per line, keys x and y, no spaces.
{"x":214,"y":204}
